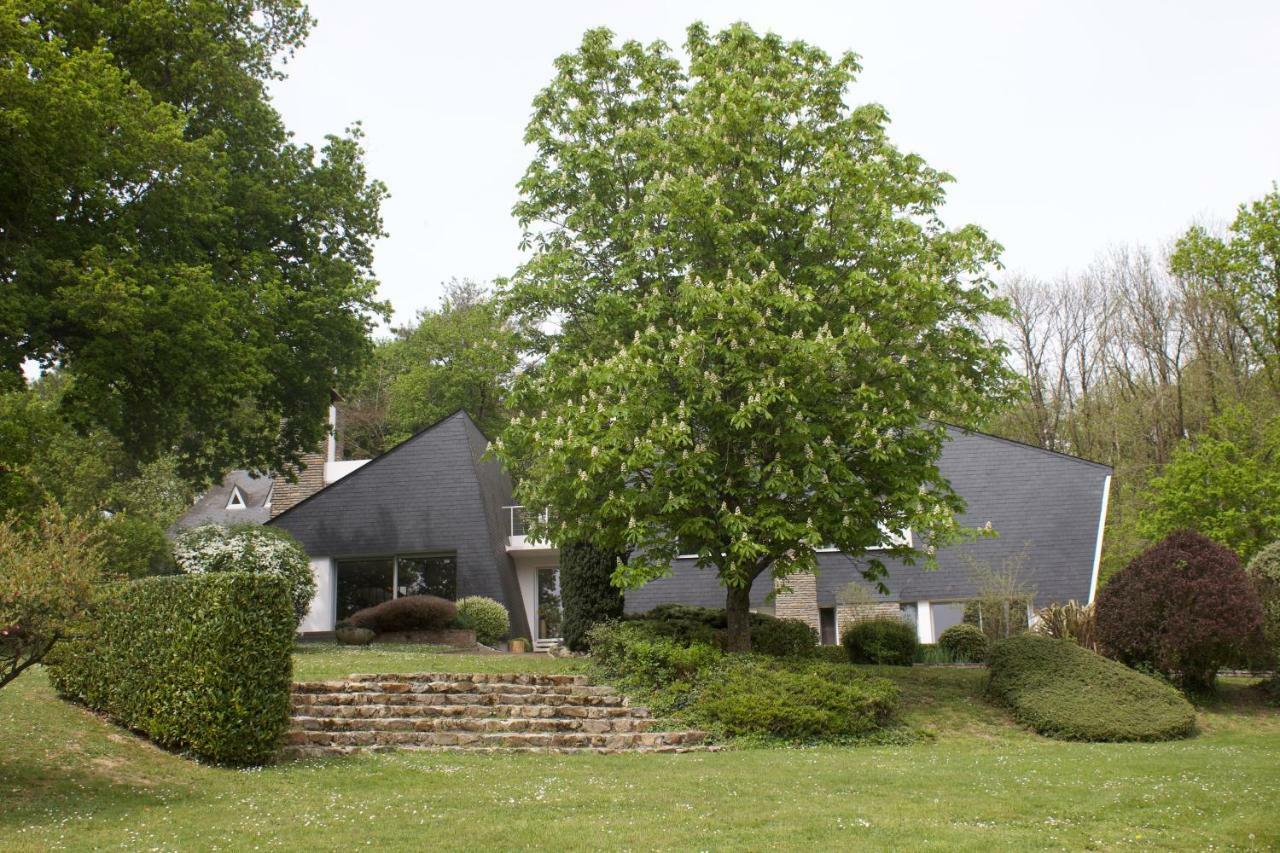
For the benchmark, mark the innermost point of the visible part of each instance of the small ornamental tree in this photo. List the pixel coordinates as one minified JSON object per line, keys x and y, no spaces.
{"x":587,"y":593}
{"x":1264,"y":573}
{"x":47,"y":578}
{"x":252,"y":549}
{"x":759,"y":319}
{"x":1183,"y":607}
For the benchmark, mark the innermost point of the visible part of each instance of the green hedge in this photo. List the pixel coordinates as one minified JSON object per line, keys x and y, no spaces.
{"x":196,"y":662}
{"x":886,"y":642}
{"x":1064,"y":691}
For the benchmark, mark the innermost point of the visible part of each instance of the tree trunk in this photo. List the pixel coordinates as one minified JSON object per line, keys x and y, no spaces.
{"x":737,"y":609}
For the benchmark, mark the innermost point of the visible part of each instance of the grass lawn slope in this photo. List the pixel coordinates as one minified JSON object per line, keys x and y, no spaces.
{"x":69,"y":780}
{"x":1064,"y":691}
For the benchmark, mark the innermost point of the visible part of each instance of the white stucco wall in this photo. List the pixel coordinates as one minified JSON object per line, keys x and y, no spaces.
{"x":324,"y":606}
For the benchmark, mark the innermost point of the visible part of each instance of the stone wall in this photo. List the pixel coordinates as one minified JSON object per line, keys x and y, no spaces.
{"x":848,"y":614}
{"x":310,"y":479}
{"x":801,"y":602}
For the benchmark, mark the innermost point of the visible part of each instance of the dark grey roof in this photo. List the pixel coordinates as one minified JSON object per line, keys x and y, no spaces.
{"x":211,"y":507}
{"x":1045,"y":506}
{"x":433,"y":492}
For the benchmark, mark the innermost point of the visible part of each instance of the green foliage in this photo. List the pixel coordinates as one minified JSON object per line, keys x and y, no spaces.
{"x":203,"y":277}
{"x":198,"y":663}
{"x":488,"y":618}
{"x":48,"y":574}
{"x":783,"y":638}
{"x":747,"y":354}
{"x":135,"y":547}
{"x":1064,"y":691}
{"x":964,"y":642}
{"x":587,"y":593}
{"x":641,"y":656}
{"x":406,"y":613}
{"x":688,"y":624}
{"x":1183,"y":607}
{"x":889,"y":642}
{"x":1224,"y":483}
{"x":252,"y":549}
{"x":793,"y":701}
{"x":1264,"y":574}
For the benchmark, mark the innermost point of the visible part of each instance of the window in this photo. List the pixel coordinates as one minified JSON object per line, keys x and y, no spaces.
{"x":236,"y":501}
{"x":945,"y":615}
{"x":827,"y":624}
{"x":549,"y":613}
{"x":430,"y":575}
{"x":364,"y":583}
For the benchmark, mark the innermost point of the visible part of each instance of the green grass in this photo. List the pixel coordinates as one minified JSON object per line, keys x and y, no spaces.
{"x":324,"y":661}
{"x":71,"y":780}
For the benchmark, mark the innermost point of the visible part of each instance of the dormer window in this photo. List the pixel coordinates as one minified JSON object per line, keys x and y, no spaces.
{"x":236,"y":501}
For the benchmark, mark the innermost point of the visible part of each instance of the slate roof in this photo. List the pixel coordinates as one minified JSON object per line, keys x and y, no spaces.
{"x":1045,"y":506}
{"x":211,"y":507}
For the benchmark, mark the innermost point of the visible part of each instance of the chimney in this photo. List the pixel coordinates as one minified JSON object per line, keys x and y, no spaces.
{"x":310,"y":476}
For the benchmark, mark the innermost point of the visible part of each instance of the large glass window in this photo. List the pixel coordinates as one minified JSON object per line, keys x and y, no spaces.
{"x":433,"y":575}
{"x":946,"y":614}
{"x":364,"y":583}
{"x":549,"y":614}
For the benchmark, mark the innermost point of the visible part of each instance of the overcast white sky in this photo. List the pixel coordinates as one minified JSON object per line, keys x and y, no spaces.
{"x":1069,"y":126}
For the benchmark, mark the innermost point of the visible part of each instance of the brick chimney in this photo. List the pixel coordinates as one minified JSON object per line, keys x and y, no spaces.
{"x":310,"y":475}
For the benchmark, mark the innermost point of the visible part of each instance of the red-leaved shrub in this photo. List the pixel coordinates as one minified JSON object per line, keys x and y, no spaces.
{"x":406,"y":613}
{"x":1183,"y":607}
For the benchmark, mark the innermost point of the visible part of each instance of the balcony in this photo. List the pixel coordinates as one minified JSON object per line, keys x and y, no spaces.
{"x":517,"y":532}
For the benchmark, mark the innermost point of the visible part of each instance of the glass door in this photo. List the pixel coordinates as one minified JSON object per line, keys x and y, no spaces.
{"x":549,"y":614}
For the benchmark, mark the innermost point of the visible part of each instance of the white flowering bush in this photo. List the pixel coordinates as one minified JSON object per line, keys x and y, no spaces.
{"x":252,"y":549}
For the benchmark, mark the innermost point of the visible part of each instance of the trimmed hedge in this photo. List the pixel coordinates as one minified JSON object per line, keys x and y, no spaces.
{"x":406,"y":613}
{"x":488,"y":618}
{"x":196,"y":662}
{"x":691,"y":624}
{"x":887,"y":642}
{"x":964,"y":642}
{"x":1064,"y":691}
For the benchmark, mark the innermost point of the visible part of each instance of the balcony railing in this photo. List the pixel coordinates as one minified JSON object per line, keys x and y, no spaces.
{"x":518,"y":527}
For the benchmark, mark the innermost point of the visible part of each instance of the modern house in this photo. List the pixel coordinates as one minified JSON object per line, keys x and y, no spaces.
{"x":436,"y":515}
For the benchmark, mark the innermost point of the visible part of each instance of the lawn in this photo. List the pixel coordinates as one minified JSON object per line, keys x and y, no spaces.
{"x":68,"y":779}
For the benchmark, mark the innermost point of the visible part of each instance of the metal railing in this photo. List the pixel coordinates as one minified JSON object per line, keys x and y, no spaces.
{"x":518,"y":521}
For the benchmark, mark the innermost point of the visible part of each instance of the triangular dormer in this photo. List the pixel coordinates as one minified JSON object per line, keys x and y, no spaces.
{"x":236,"y":501}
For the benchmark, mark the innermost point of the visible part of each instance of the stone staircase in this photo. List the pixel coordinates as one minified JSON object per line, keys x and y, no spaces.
{"x":482,"y":712}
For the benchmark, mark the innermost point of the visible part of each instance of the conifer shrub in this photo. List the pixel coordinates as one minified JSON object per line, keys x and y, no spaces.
{"x":587,"y":593}
{"x":1064,"y":691}
{"x":1184,"y":607}
{"x":406,"y":613}
{"x":200,"y":663}
{"x":1264,"y":574}
{"x":488,"y":618}
{"x":885,"y":642}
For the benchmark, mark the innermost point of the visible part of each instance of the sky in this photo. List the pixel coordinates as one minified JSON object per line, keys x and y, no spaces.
{"x":1070,"y":127}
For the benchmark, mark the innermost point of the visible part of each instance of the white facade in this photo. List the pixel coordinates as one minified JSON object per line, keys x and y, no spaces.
{"x":324,"y":607}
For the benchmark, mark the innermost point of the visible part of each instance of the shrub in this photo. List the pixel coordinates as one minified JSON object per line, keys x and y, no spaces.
{"x":964,"y":642}
{"x":783,"y":638}
{"x":890,"y":642}
{"x":488,"y":618}
{"x":804,"y":702}
{"x":1070,"y":621}
{"x":1064,"y":691}
{"x":406,"y":613}
{"x":134,"y":546}
{"x":641,"y":655}
{"x":47,"y":578}
{"x":1264,"y":574}
{"x":587,"y":593}
{"x":201,"y":663}
{"x":252,"y":549}
{"x":1183,"y":607}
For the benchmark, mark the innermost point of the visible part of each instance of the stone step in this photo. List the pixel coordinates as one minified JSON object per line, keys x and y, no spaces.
{"x":530,"y":678}
{"x":303,"y":700}
{"x":459,"y":687}
{"x":306,"y":752}
{"x":587,"y":712}
{"x":600,"y":725}
{"x":495,"y":740}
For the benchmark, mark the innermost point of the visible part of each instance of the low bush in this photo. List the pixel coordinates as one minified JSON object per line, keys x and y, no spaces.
{"x":642,"y":656}
{"x":1065,"y":691}
{"x":488,"y":618}
{"x":964,"y":642}
{"x":250,"y":549}
{"x":198,"y":663}
{"x":783,"y":638}
{"x":406,"y":613}
{"x":1184,"y":607}
{"x":886,"y":642}
{"x":793,"y":701}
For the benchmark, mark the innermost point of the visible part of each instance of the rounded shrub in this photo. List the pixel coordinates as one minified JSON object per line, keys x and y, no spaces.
{"x":641,"y":655}
{"x":1184,"y":607}
{"x":587,"y":593}
{"x":888,"y":642}
{"x":1264,"y":574}
{"x":488,"y":618}
{"x":964,"y":642}
{"x":251,"y":549}
{"x":406,"y":613}
{"x":1064,"y":691}
{"x":803,"y":703}
{"x":783,"y":638}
